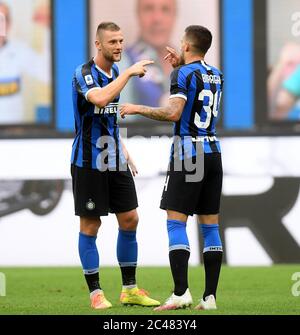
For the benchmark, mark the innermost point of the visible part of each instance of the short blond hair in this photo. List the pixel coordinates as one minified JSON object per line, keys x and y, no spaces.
{"x":110,"y":26}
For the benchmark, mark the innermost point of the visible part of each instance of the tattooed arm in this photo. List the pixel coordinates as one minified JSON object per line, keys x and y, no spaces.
{"x":172,"y":112}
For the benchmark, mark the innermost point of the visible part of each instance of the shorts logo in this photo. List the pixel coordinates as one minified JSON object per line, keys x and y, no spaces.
{"x":89,"y":79}
{"x":90,"y":205}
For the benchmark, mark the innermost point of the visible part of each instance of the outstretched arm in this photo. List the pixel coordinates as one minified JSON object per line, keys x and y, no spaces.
{"x":172,"y":112}
{"x":103,"y":96}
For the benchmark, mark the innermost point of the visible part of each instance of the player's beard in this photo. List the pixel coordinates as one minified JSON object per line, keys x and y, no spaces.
{"x":111,"y":57}
{"x":117,"y":57}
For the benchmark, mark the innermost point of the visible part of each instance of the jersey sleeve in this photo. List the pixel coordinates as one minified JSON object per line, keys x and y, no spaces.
{"x":292,"y":83}
{"x":178,"y":84}
{"x":85,"y":81}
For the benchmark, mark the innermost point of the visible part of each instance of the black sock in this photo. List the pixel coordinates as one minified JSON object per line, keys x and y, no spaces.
{"x":128,"y":275}
{"x":93,"y":281}
{"x":179,"y":260}
{"x":212,"y":266}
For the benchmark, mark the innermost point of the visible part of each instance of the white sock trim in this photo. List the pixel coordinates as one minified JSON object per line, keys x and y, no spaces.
{"x":213,"y":248}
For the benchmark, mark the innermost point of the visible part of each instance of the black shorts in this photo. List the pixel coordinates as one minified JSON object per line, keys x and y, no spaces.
{"x":98,"y":193}
{"x":201,"y":197}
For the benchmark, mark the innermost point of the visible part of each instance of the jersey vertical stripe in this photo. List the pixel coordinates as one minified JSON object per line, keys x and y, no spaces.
{"x":87,"y":141}
{"x":210,"y":145}
{"x":196,"y":104}
{"x":189,"y":107}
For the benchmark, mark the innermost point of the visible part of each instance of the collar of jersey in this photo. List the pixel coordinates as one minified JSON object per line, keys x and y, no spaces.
{"x":202,"y":62}
{"x":103,"y":72}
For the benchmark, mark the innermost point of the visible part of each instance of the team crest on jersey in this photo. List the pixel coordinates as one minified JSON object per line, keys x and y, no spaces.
{"x":90,"y":205}
{"x":89,"y":79}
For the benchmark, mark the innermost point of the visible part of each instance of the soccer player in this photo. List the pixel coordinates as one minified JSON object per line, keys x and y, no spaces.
{"x":102,"y":181}
{"x":196,"y":89}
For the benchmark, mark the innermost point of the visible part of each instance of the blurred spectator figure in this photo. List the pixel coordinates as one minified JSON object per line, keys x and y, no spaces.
{"x":18,"y":58}
{"x":156,"y":19}
{"x":284,"y":84}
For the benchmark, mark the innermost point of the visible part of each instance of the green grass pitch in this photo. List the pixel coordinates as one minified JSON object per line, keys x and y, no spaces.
{"x":242,"y":290}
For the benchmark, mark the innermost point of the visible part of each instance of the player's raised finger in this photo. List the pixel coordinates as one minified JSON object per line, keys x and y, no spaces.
{"x":147,"y":62}
{"x":171,"y":50}
{"x":167,"y":56}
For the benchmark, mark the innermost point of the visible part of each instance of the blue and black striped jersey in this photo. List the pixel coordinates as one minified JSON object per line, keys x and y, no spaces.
{"x":97,"y":140}
{"x":201,"y":86}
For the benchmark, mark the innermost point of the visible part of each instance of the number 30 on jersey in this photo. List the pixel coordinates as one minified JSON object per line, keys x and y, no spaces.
{"x":211,"y":108}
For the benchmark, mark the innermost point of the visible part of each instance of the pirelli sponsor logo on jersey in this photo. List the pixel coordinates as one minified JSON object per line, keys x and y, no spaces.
{"x":9,"y":87}
{"x":111,"y":108}
{"x":211,"y":79}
